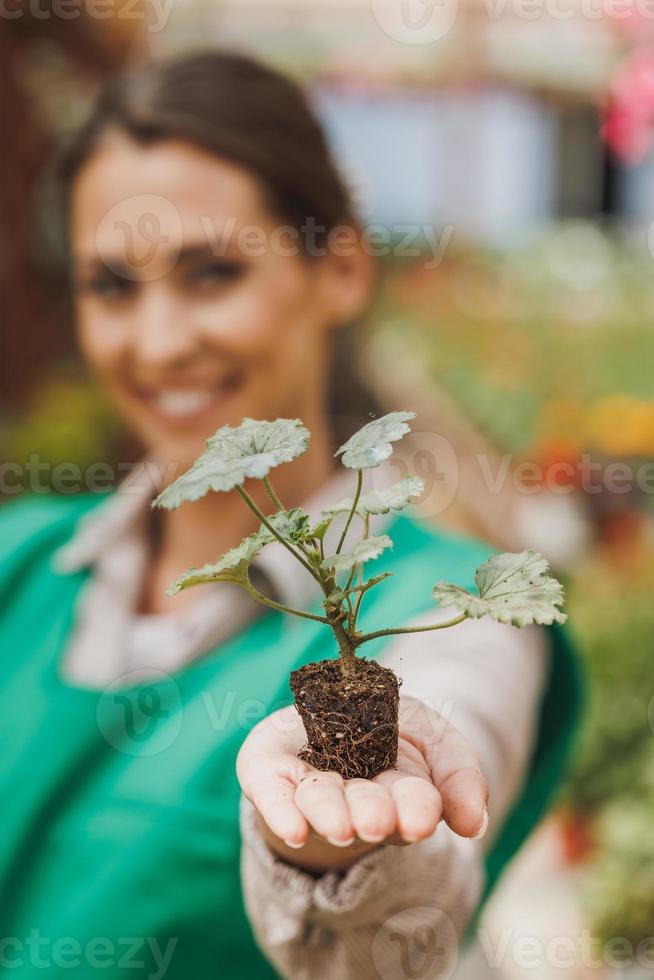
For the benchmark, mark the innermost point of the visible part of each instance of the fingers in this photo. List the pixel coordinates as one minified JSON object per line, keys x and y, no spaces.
{"x":464,"y":795}
{"x":456,"y":772}
{"x":268,"y":770}
{"x":320,"y":798}
{"x":372,"y":810}
{"x":274,"y":797}
{"x":417,"y":804}
{"x":454,"y":766}
{"x":437,"y":777}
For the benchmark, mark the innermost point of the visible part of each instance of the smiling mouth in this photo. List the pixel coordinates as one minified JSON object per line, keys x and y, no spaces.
{"x":192,"y":402}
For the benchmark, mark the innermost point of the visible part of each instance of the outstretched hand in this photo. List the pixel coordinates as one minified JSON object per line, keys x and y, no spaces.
{"x":320,"y":821}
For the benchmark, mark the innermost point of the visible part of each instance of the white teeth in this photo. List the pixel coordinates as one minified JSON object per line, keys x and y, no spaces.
{"x":179,"y":403}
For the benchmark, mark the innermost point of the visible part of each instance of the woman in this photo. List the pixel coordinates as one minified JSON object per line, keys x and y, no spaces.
{"x":209,"y":285}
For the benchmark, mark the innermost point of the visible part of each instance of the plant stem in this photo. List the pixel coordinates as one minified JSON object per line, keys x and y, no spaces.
{"x":266,"y":523}
{"x":271,"y":493}
{"x":352,"y":511}
{"x":280,"y":506}
{"x":346,"y":643}
{"x":282,"y":608}
{"x":410,"y":629}
{"x":357,"y":605}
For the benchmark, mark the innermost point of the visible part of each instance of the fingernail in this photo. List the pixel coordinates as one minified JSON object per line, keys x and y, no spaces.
{"x":371,"y":838}
{"x":289,"y":843}
{"x":341,"y":843}
{"x":484,"y":826}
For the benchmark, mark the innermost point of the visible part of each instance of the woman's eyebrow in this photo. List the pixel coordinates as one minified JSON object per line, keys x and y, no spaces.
{"x":117,"y":265}
{"x":92,"y":265}
{"x":203,"y":251}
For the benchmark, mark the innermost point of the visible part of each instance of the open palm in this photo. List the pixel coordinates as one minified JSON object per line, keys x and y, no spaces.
{"x":437,"y":777}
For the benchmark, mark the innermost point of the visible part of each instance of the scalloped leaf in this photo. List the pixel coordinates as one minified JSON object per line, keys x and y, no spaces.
{"x":234,"y":564}
{"x":234,"y":455}
{"x":371,"y":445}
{"x":232,"y":567}
{"x":363,"y":551}
{"x":376,"y":502}
{"x":513,"y":588}
{"x":319,"y":530}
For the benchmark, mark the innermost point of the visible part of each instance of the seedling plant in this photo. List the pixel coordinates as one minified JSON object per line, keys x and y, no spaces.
{"x":349,"y":705}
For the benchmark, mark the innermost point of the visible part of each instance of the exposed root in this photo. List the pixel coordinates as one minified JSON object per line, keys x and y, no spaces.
{"x":350,"y":716}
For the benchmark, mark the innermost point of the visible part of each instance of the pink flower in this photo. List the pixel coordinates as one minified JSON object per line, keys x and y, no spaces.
{"x":628,"y":126}
{"x":629,"y":136}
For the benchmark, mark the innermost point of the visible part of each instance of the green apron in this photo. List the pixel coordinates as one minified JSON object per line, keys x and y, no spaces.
{"x":119,"y":851}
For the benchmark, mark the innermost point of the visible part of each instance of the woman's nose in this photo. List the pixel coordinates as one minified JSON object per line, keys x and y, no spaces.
{"x":161,"y":336}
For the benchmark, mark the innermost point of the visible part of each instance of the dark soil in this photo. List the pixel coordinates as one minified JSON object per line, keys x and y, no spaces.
{"x":350,"y":716}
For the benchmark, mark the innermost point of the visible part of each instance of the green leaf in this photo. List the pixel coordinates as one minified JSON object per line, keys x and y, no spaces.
{"x":393,"y":498}
{"x":232,"y":567}
{"x":363,"y":551}
{"x":371,"y":445}
{"x":234,"y":564}
{"x":232,"y":456}
{"x":319,"y":530}
{"x":513,"y":588}
{"x":293,"y":525}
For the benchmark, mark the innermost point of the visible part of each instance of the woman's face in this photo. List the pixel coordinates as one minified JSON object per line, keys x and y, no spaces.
{"x":193,"y":307}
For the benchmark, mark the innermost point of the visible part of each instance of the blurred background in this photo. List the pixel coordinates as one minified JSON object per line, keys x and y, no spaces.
{"x":503,"y":147}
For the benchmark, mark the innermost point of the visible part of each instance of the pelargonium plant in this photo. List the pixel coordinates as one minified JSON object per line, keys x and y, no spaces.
{"x":348,"y":704}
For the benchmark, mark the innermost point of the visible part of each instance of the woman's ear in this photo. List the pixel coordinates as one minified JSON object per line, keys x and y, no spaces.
{"x":349,"y":274}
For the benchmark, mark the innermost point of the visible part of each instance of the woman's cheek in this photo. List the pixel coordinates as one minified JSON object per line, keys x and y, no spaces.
{"x":247,"y":325}
{"x":102,"y":344}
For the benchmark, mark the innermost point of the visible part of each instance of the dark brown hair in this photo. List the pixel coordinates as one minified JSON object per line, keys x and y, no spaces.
{"x":249,"y":114}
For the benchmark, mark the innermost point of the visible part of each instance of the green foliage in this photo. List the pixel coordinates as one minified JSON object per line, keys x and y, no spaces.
{"x":378,"y":502}
{"x":234,"y":565}
{"x":363,"y":551}
{"x":614,"y":618}
{"x":612,"y":782}
{"x":371,"y":445}
{"x":513,"y":588}
{"x":67,"y":423}
{"x":249,"y":451}
{"x":504,"y":332}
{"x":617,"y":887}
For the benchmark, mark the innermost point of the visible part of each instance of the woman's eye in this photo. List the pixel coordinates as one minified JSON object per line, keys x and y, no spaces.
{"x":107,"y":286}
{"x":217,"y":272}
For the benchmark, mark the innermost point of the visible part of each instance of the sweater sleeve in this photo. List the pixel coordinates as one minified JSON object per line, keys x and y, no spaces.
{"x":401,"y":911}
